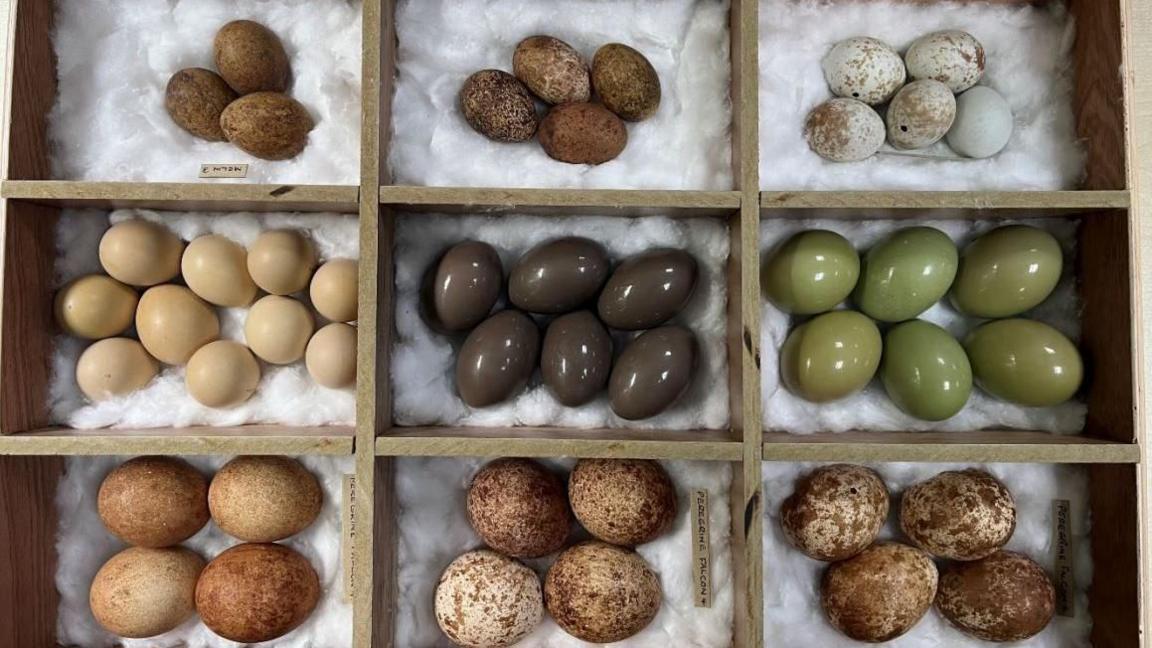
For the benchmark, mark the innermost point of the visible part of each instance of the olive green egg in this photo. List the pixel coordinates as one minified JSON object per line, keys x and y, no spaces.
{"x":925,"y":371}
{"x":1007,"y":271}
{"x":831,"y":356}
{"x":906,"y":273}
{"x":1023,"y":361}
{"x":811,"y":272}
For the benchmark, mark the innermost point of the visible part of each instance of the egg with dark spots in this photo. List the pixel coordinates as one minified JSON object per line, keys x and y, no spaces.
{"x":552,"y":69}
{"x":497,"y":359}
{"x":461,"y":287}
{"x":582,"y":133}
{"x":623,"y":501}
{"x":576,"y":358}
{"x":195,"y":98}
{"x":844,"y":130}
{"x":558,"y":276}
{"x":626,"y":82}
{"x":879,"y":594}
{"x":648,"y":289}
{"x":954,"y":58}
{"x":959,"y":515}
{"x":486,"y":600}
{"x":835,"y":512}
{"x":602,"y":593}
{"x":653,"y":372}
{"x":1004,"y":597}
{"x":519,"y":508}
{"x":864,"y":68}
{"x":498,"y":106}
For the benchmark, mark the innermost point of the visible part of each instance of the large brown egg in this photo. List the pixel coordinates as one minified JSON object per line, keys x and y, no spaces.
{"x":653,"y":372}
{"x":142,"y":592}
{"x":251,"y":57}
{"x":488,"y":600}
{"x":195,"y":98}
{"x":558,"y":276}
{"x":623,"y":501}
{"x":140,"y":253}
{"x":518,"y":507}
{"x":1004,"y":597}
{"x":960,"y":515}
{"x":277,"y":329}
{"x":331,"y":356}
{"x":153,"y":501}
{"x":114,"y":367}
{"x":267,"y":125}
{"x":880,"y":593}
{"x":264,"y":498}
{"x":95,"y":307}
{"x":256,"y":592}
{"x":497,"y":359}
{"x":216,"y":269}
{"x":222,"y":374}
{"x":577,"y":358}
{"x":333,"y":290}
{"x":461,"y":287}
{"x":648,"y":289}
{"x":173,"y":323}
{"x":602,"y":593}
{"x":835,"y":512}
{"x":281,"y":261}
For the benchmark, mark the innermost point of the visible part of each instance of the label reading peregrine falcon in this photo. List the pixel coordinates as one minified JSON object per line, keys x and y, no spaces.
{"x":701,"y":551}
{"x":1063,"y":562}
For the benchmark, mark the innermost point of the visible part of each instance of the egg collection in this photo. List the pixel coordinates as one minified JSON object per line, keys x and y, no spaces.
{"x":575,"y":129}
{"x":911,"y":102}
{"x":254,"y":591}
{"x":178,"y":324}
{"x":568,"y":287}
{"x":875,"y":591}
{"x":245,"y":103}
{"x":598,"y":590}
{"x":926,"y":372}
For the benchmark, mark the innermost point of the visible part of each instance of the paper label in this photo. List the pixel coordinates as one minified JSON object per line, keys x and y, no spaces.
{"x":1063,"y":563}
{"x":223,"y":170}
{"x":701,"y":551}
{"x":348,"y":536}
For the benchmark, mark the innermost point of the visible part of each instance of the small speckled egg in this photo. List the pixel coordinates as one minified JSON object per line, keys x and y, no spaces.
{"x":333,"y":290}
{"x":498,"y":106}
{"x":140,"y":253}
{"x":844,"y":130}
{"x":142,"y":592}
{"x":331,"y":356}
{"x":552,"y":69}
{"x":954,"y":58}
{"x":602,"y":593}
{"x":281,"y":261}
{"x":623,"y":501}
{"x":95,"y":307}
{"x":215,"y":268}
{"x":251,"y":57}
{"x":153,"y":501}
{"x":267,"y":125}
{"x":277,"y":329}
{"x":811,"y":272}
{"x":626,"y":82}
{"x":959,"y":514}
{"x":880,"y":593}
{"x":222,"y":374}
{"x":983,"y":123}
{"x":195,"y":99}
{"x":1004,"y":597}
{"x":114,"y":367}
{"x":264,"y":498}
{"x":920,"y":114}
{"x":864,"y":68}
{"x":173,"y":322}
{"x":835,"y":512}
{"x":519,"y":508}
{"x":486,"y":600}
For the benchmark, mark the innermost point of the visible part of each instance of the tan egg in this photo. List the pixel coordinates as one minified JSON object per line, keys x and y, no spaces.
{"x":277,"y":329}
{"x":331,"y":356}
{"x":959,"y":514}
{"x":173,"y":322}
{"x":95,"y":307}
{"x":333,"y":290}
{"x":222,"y":374}
{"x":485,"y":599}
{"x":140,"y":253}
{"x":264,"y":499}
{"x":114,"y":367}
{"x":144,"y":592}
{"x":153,"y":501}
{"x":267,"y":125}
{"x":251,"y":57}
{"x":216,"y":269}
{"x":281,"y":261}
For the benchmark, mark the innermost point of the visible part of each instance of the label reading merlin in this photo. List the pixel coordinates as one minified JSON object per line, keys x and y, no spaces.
{"x":1063,"y":563}
{"x":223,"y":170}
{"x":348,"y":539}
{"x":701,"y":551}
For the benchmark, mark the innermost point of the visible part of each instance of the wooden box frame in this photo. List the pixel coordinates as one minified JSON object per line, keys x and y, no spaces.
{"x":1112,"y":44}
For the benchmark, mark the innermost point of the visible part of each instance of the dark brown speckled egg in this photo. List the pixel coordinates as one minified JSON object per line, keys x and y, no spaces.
{"x":461,"y":287}
{"x":497,"y":359}
{"x":602,"y":593}
{"x":960,"y":515}
{"x":1004,"y":597}
{"x":623,"y":501}
{"x":558,"y":276}
{"x":648,"y":289}
{"x":880,"y":593}
{"x":519,"y":508}
{"x":653,"y":372}
{"x":577,"y":358}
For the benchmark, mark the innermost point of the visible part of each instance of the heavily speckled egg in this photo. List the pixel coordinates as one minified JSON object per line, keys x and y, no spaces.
{"x":215,"y":268}
{"x":277,"y":329}
{"x":835,"y":512}
{"x":496,"y":105}
{"x":281,"y":261}
{"x":195,"y":98}
{"x":880,"y":593}
{"x":222,"y":374}
{"x":844,"y":130}
{"x":906,"y":273}
{"x":864,"y":68}
{"x":626,"y":82}
{"x":648,"y":289}
{"x":920,"y":114}
{"x":264,"y":498}
{"x":558,"y":276}
{"x":114,"y":367}
{"x":983,"y":123}
{"x":1004,"y":597}
{"x":95,"y":307}
{"x":153,"y":501}
{"x":142,"y":592}
{"x":461,"y":287}
{"x":1024,"y":362}
{"x":173,"y":323}
{"x":602,"y":593}
{"x":954,"y":58}
{"x":1007,"y":271}
{"x":576,"y":358}
{"x":251,"y":57}
{"x":831,"y":356}
{"x":925,"y":371}
{"x":552,"y":69}
{"x":653,"y":372}
{"x":959,"y":514}
{"x":811,"y":272}
{"x":140,"y":253}
{"x":518,"y":507}
{"x":267,"y":125}
{"x":331,"y":356}
{"x":486,"y":600}
{"x":582,"y":133}
{"x":497,"y":359}
{"x":623,"y":501}
{"x":333,"y":290}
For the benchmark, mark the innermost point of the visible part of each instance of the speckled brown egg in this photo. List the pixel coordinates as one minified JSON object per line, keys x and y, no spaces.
{"x":264,"y":498}
{"x":961,"y":515}
{"x":142,"y":592}
{"x":864,"y":68}
{"x":95,"y":307}
{"x":518,"y":507}
{"x":499,"y":107}
{"x":257,"y":592}
{"x":623,"y":501}
{"x":195,"y":98}
{"x":113,"y":367}
{"x":953,"y":57}
{"x":267,"y":125}
{"x":552,"y":69}
{"x":251,"y":57}
{"x":173,"y":323}
{"x":602,"y":593}
{"x":140,"y":253}
{"x":626,"y":82}
{"x":486,"y":600}
{"x":153,"y":501}
{"x":835,"y":512}
{"x":582,"y":133}
{"x":844,"y":130}
{"x":1004,"y":597}
{"x":920,"y":114}
{"x":880,"y":593}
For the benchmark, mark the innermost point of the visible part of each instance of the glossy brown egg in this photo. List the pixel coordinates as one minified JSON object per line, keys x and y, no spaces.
{"x":461,"y":287}
{"x":653,"y":372}
{"x":558,"y":276}
{"x":648,"y":289}
{"x":497,"y":359}
{"x":576,"y":358}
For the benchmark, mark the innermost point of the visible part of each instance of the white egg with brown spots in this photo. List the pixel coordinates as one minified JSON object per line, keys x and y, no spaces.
{"x":862,"y":68}
{"x":960,"y":515}
{"x":844,"y":130}
{"x":487,"y":600}
{"x":835,"y":512}
{"x":331,"y":356}
{"x":920,"y":114}
{"x":264,"y":498}
{"x":879,"y":594}
{"x":954,"y":58}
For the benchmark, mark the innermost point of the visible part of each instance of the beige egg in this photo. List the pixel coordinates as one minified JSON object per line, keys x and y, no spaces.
{"x":920,"y":114}
{"x":333,"y":290}
{"x":835,"y":512}
{"x":844,"y":130}
{"x":95,"y":307}
{"x":173,"y":322}
{"x":114,"y":367}
{"x":960,"y":515}
{"x":264,"y":498}
{"x":602,"y":593}
{"x":486,"y":600}
{"x":880,"y":593}
{"x":143,"y":592}
{"x":277,"y":329}
{"x":140,"y":253}
{"x":222,"y":374}
{"x":623,"y":501}
{"x":331,"y":356}
{"x":216,"y":269}
{"x":519,"y":508}
{"x":153,"y":501}
{"x":281,"y":261}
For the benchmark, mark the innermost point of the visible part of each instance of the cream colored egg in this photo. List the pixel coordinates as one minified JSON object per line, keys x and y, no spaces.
{"x":216,"y":269}
{"x":142,"y":592}
{"x":277,"y":329}
{"x":333,"y":290}
{"x":281,"y":261}
{"x":864,"y":68}
{"x":954,"y":58}
{"x":844,"y":130}
{"x":222,"y":374}
{"x":920,"y":114}
{"x":114,"y":367}
{"x":140,"y":253}
{"x":95,"y":307}
{"x":173,"y":323}
{"x":331,"y":356}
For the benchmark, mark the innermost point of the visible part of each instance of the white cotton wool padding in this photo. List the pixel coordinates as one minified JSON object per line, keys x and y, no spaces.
{"x":792,"y":611}
{"x":287,"y":395}
{"x":685,"y":145}
{"x":871,"y":409}
{"x":114,"y":61}
{"x":433,"y":530}
{"x":424,"y":362}
{"x":1029,"y":61}
{"x":83,"y":545}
